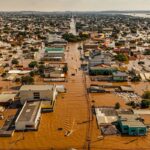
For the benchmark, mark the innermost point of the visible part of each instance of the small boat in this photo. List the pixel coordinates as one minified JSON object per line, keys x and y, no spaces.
{"x":68,"y":133}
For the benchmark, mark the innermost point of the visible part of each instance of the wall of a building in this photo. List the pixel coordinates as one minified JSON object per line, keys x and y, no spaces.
{"x":21,"y":125}
{"x":28,"y":95}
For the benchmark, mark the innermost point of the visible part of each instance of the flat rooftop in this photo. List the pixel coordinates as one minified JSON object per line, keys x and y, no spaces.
{"x":127,"y":88}
{"x":105,"y":115}
{"x":6,"y":97}
{"x":54,"y":49}
{"x":36,"y":87}
{"x":131,"y":121}
{"x":29,"y":112}
{"x":119,"y":73}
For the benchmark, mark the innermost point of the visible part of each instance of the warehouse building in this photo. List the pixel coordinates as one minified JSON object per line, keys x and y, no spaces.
{"x":132,"y":124}
{"x":126,"y":89}
{"x":105,"y":117}
{"x":120,"y":76}
{"x":54,"y":54}
{"x":38,"y":93}
{"x":29,"y":117}
{"x":6,"y":98}
{"x":100,"y":59}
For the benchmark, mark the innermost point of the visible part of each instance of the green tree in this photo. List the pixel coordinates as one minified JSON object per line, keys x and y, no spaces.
{"x":65,"y":69}
{"x":3,"y":74}
{"x":41,"y":69}
{"x":83,"y":36}
{"x":146,"y":95}
{"x":135,"y":79}
{"x":132,"y":103}
{"x":147,"y":52}
{"x":145,"y":103}
{"x":121,"y":57}
{"x":15,"y":62}
{"x":17,"y":80}
{"x":75,"y":38}
{"x":33,"y":64}
{"x":27,"y":80}
{"x":70,"y":37}
{"x":117,"y":105}
{"x":32,"y":73}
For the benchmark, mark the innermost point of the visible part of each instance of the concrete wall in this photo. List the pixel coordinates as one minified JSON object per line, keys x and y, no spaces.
{"x":137,"y":131}
{"x":21,"y":125}
{"x":28,"y":95}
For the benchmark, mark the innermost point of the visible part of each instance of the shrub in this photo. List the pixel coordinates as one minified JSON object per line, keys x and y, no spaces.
{"x":33,"y":64}
{"x":117,"y":105}
{"x":146,"y":95}
{"x":15,"y":62}
{"x":27,"y":80}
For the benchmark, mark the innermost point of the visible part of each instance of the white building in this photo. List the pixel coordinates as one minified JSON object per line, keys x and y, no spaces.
{"x":29,"y":117}
{"x":38,"y":93}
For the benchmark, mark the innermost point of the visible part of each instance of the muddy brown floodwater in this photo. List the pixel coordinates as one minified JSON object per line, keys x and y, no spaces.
{"x":72,"y":113}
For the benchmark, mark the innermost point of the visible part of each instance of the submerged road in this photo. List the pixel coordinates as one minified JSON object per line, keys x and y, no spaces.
{"x":72,"y":114}
{"x":76,"y":57}
{"x":73,"y":26}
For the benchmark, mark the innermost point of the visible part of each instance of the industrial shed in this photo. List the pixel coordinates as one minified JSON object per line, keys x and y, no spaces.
{"x":6,"y":99}
{"x":132,"y":125}
{"x":126,"y":89}
{"x":106,"y":116}
{"x":37,"y":93}
{"x":29,"y":117}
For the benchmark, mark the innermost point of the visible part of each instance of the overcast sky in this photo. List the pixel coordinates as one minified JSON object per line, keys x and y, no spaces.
{"x":74,"y":5}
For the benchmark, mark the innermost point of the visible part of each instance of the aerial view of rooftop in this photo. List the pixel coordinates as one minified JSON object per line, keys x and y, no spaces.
{"x":75,"y":75}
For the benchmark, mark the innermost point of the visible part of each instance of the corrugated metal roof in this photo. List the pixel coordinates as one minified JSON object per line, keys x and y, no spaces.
{"x":53,"y":49}
{"x":6,"y":97}
{"x":36,"y":87}
{"x":29,"y":112}
{"x":131,"y":121}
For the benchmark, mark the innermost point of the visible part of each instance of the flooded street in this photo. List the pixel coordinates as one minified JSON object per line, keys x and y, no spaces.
{"x":73,"y":113}
{"x":72,"y":26}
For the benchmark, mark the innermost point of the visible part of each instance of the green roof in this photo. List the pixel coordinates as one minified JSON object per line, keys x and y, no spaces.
{"x":53,"y":49}
{"x":131,"y":121}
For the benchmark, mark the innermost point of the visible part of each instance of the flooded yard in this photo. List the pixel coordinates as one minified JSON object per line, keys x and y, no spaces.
{"x":72,"y":112}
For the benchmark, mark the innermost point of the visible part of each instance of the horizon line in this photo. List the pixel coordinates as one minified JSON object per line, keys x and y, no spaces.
{"x":76,"y":11}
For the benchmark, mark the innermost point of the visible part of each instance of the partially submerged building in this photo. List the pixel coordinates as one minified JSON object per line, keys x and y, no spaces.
{"x":6,"y":98}
{"x":101,"y":65}
{"x":105,"y":117}
{"x":54,"y":54}
{"x":112,"y":121}
{"x":120,"y":76}
{"x":29,"y":116}
{"x":100,"y":59}
{"x":126,"y":89}
{"x":132,"y":125}
{"x":45,"y":93}
{"x":37,"y":92}
{"x":90,"y":46}
{"x":55,"y":72}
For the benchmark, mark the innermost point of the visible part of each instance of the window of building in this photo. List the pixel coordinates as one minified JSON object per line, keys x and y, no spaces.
{"x":133,"y":130}
{"x":29,"y":126}
{"x":141,"y":131}
{"x":125,"y":128}
{"x":36,"y":95}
